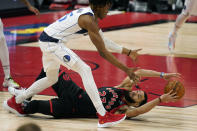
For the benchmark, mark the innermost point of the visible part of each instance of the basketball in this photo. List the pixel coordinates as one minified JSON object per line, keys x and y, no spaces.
{"x":176,"y":86}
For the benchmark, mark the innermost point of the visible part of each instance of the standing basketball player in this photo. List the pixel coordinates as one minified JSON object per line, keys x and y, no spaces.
{"x":4,"y":54}
{"x":55,"y":53}
{"x":189,"y":9}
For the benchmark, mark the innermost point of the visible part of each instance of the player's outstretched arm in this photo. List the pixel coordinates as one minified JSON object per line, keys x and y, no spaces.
{"x":152,"y":73}
{"x":169,"y":97}
{"x":30,"y":7}
{"x":111,"y":45}
{"x":87,"y":22}
{"x":127,"y":83}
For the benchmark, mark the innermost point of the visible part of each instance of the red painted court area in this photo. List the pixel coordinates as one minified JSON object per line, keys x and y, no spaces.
{"x":26,"y":65}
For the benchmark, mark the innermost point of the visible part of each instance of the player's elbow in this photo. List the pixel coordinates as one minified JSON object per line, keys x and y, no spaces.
{"x":140,"y":111}
{"x":186,"y":15}
{"x":132,"y":113}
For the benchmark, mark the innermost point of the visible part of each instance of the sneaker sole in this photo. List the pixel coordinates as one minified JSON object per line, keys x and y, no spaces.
{"x":5,"y":106}
{"x":111,"y":123}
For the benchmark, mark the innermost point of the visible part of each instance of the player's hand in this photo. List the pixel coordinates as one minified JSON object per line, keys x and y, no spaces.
{"x":167,"y":76}
{"x":169,"y":97}
{"x":34,"y":10}
{"x":134,"y":55}
{"x":132,"y":75}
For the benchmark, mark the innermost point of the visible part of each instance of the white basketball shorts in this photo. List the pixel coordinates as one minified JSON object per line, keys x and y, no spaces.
{"x":56,"y":54}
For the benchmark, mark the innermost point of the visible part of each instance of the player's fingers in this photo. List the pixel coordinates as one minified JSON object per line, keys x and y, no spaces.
{"x":138,"y":49}
{"x":174,"y":100}
{"x":173,"y":94}
{"x":175,"y":97}
{"x":37,"y":12}
{"x":177,"y":75}
{"x":136,"y":80}
{"x":170,"y":92}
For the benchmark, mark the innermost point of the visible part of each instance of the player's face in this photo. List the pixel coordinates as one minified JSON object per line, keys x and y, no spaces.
{"x":102,"y":11}
{"x":137,"y":96}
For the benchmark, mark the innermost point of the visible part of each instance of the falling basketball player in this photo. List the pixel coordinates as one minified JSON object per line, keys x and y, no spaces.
{"x":73,"y":101}
{"x":55,"y":53}
{"x":4,"y":54}
{"x":190,"y":8}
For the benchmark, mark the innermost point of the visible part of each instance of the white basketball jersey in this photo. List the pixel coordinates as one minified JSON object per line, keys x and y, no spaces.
{"x":67,"y":26}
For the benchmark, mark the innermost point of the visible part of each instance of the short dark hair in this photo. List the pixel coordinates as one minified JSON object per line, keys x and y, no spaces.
{"x":100,"y":2}
{"x":145,"y":99}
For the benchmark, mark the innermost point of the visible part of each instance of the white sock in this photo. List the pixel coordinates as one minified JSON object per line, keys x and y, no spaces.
{"x":86,"y":74}
{"x":38,"y":86}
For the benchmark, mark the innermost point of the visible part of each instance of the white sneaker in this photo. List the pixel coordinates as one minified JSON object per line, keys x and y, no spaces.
{"x":15,"y":91}
{"x":10,"y":82}
{"x":171,"y":41}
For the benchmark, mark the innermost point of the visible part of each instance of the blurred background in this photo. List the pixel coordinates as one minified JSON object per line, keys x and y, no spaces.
{"x":8,"y":8}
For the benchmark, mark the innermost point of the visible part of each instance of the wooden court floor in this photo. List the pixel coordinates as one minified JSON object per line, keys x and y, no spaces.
{"x":153,"y":40}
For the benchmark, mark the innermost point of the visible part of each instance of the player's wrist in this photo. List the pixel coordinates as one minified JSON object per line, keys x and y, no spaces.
{"x":128,"y":54}
{"x":162,"y":75}
{"x":160,"y":99}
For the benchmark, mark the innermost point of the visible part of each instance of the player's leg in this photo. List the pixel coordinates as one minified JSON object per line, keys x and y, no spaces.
{"x":4,"y":54}
{"x":87,"y":78}
{"x":38,"y":86}
{"x":14,"y":104}
{"x":70,"y":60}
{"x":22,"y":91}
{"x":56,"y":107}
{"x":4,"y":57}
{"x":51,"y":67}
{"x":179,"y":22}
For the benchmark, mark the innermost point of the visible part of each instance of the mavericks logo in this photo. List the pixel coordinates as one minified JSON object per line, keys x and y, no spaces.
{"x":66,"y":58}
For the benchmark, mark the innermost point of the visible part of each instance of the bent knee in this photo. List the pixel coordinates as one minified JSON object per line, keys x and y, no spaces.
{"x":52,"y":80}
{"x":86,"y":68}
{"x":186,"y":14}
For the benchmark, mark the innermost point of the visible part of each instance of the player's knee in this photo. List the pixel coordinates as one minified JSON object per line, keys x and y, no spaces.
{"x":186,"y":14}
{"x":52,"y":79}
{"x":86,"y":69}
